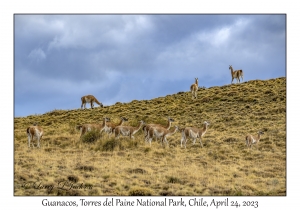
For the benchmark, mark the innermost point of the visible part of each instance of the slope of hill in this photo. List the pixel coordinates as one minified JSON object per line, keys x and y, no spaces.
{"x":66,"y":165}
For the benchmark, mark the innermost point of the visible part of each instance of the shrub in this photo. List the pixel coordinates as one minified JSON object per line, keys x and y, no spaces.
{"x":112,"y":144}
{"x":137,"y":170}
{"x":84,"y":168}
{"x":91,"y":136}
{"x":166,"y":193}
{"x":140,"y":192}
{"x":73,"y":178}
{"x":174,"y":180}
{"x":147,"y":149}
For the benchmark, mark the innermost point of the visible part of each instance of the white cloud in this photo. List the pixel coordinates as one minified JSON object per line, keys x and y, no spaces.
{"x":88,"y":32}
{"x":37,"y":54}
{"x":215,"y":38}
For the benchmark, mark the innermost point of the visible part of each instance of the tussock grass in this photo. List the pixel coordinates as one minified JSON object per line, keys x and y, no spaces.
{"x":108,"y":166}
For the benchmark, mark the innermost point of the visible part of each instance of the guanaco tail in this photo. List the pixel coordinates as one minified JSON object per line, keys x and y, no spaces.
{"x":193,"y":133}
{"x":236,"y":74}
{"x":250,"y":139}
{"x":34,"y":132}
{"x":89,"y":99}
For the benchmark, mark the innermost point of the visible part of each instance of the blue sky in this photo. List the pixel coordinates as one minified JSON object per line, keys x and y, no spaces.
{"x":120,"y":58}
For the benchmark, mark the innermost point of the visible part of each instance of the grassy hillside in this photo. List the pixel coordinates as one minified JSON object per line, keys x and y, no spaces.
{"x":65,"y":165}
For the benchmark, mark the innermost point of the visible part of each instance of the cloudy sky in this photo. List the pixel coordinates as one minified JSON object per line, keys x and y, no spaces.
{"x":120,"y":58}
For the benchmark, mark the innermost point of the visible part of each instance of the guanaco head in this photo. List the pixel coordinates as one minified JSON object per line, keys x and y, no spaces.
{"x":260,"y":132}
{"x":124,"y":119}
{"x":101,"y":105}
{"x":230,"y":67}
{"x":170,"y":119}
{"x":206,"y":123}
{"x":107,"y":119}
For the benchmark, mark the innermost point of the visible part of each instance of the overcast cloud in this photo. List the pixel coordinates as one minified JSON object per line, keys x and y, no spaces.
{"x":120,"y":58}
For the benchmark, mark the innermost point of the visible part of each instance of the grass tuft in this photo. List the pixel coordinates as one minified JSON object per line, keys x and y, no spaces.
{"x":139,"y":191}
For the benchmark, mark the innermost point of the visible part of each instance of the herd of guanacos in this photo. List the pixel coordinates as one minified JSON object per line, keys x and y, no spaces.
{"x":150,"y":130}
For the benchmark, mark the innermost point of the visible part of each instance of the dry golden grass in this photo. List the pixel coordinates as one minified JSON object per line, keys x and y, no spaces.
{"x":65,"y":165}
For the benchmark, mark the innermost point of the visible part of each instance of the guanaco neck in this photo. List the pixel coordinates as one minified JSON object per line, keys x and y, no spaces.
{"x":174,"y":131}
{"x":204,"y":128}
{"x":104,"y":122}
{"x":258,"y":137}
{"x":122,"y":121}
{"x":169,"y":124}
{"x":231,"y":69}
{"x":135,"y":129}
